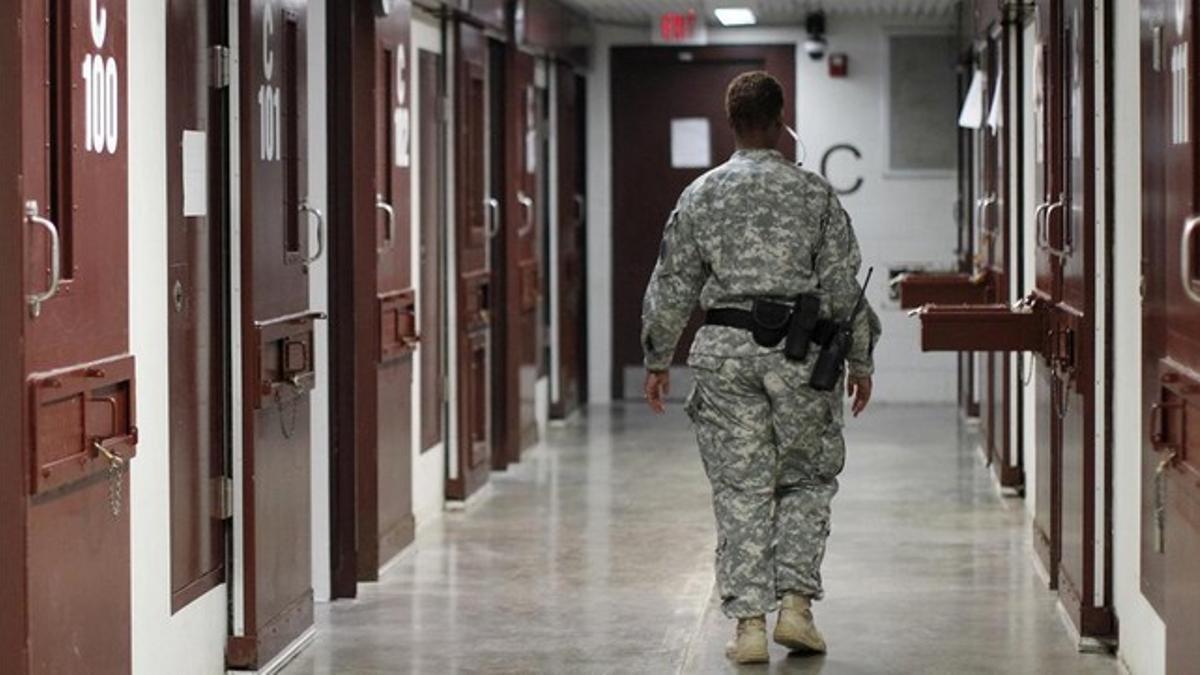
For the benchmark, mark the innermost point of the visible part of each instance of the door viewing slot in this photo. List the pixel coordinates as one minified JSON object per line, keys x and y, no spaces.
{"x":59,"y":148}
{"x":291,"y":132}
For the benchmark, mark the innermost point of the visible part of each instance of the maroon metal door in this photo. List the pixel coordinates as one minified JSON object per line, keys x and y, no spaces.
{"x":14,"y":595}
{"x":197,"y":329}
{"x":432,"y":213}
{"x":277,"y":331}
{"x":992,"y":259}
{"x":1048,"y":142}
{"x":1084,"y":578}
{"x":1173,"y":405}
{"x":968,"y":170}
{"x":79,"y":432}
{"x":572,"y":301}
{"x":471,"y":466}
{"x":519,"y":273}
{"x":385,"y":520}
{"x":653,"y":86}
{"x":1156,"y":109}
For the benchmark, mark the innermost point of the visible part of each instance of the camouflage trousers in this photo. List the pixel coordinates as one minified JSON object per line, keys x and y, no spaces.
{"x":772,"y":448}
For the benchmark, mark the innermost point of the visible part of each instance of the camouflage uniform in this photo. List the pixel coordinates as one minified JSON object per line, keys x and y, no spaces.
{"x":760,"y":227}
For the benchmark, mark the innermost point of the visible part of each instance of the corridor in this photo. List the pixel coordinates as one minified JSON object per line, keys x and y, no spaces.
{"x":594,"y":555}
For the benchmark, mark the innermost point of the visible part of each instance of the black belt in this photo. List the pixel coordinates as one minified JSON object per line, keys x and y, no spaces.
{"x":731,"y":317}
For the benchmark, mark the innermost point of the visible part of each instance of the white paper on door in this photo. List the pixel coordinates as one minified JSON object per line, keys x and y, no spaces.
{"x":691,"y":143}
{"x":195,"y":173}
{"x":971,"y":116}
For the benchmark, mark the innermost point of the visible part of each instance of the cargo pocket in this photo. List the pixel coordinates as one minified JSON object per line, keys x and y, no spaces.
{"x":703,"y":369}
{"x":699,"y":408}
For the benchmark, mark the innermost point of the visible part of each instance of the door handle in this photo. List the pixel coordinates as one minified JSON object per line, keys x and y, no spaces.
{"x":1045,"y":242}
{"x":1187,"y":260}
{"x":315,"y":212}
{"x":493,"y":206}
{"x":1157,"y":417}
{"x":389,"y":240}
{"x":981,"y":206}
{"x":35,"y":300}
{"x":527,"y":203}
{"x":581,"y":204}
{"x":1039,"y":221}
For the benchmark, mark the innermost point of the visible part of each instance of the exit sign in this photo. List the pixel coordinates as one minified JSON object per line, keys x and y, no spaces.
{"x":680,"y":28}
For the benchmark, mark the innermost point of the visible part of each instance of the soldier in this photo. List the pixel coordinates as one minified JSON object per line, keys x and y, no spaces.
{"x":747,"y":241}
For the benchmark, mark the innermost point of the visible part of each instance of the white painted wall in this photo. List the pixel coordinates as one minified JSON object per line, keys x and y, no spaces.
{"x":198,"y":631}
{"x":1143,"y":634}
{"x":318,"y":290}
{"x":429,"y":468}
{"x":899,"y":221}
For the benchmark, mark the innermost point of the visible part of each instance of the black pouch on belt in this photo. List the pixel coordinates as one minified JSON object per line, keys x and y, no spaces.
{"x":770,"y":322}
{"x":800,"y":328}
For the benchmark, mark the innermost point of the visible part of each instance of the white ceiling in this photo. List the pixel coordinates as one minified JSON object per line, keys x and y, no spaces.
{"x":773,"y":12}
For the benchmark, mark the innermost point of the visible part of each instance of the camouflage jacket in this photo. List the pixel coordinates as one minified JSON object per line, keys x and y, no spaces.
{"x":757,"y":226}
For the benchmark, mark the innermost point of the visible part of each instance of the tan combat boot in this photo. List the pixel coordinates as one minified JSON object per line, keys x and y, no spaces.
{"x":750,"y":643}
{"x":795,"y":629}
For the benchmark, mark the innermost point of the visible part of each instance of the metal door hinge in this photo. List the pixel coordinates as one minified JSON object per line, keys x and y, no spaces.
{"x":219,"y":66}
{"x":223,"y":498}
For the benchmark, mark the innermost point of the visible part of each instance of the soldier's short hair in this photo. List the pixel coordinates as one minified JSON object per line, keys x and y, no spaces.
{"x":753,"y":101}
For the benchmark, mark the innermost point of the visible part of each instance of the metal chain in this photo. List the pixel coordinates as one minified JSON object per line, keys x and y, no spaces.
{"x":114,"y":489}
{"x":116,"y":464}
{"x":1062,"y":402}
{"x":1028,"y":360}
{"x":288,"y":429}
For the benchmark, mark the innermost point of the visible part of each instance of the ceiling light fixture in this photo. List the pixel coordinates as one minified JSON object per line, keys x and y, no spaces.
{"x":735,"y":16}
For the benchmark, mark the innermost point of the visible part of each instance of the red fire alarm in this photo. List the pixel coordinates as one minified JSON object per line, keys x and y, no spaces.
{"x":839,"y":65}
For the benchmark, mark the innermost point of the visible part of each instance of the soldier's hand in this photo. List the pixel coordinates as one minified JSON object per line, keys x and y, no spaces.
{"x":858,"y":387}
{"x":658,"y":385}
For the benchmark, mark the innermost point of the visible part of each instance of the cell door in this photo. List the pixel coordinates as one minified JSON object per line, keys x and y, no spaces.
{"x":657,"y":86}
{"x":198,"y":329}
{"x":471,"y":463}
{"x":385,"y":522}
{"x":1175,"y":416}
{"x":519,"y":271}
{"x":1157,"y":139}
{"x":432,"y":182}
{"x":567,"y":388}
{"x":1048,"y":173}
{"x":992,"y":261}
{"x":965,"y":210}
{"x":79,"y":415}
{"x":1085,"y":570}
{"x":281,"y":234}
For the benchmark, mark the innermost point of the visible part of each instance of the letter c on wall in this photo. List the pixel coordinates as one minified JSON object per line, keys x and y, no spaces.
{"x":858,"y":183}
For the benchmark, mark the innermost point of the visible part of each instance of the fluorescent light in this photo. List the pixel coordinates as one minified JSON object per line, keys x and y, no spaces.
{"x":736,"y":16}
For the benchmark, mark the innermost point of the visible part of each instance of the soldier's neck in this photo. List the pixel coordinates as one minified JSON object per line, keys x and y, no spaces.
{"x":759,"y":141}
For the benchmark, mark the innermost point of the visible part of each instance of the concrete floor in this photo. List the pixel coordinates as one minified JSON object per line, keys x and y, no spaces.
{"x":595,"y":556}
